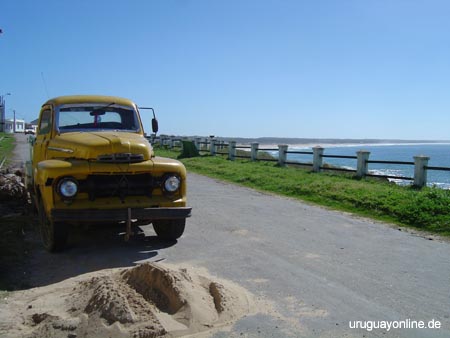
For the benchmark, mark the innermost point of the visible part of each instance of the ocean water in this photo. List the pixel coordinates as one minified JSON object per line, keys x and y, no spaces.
{"x":439,"y":157}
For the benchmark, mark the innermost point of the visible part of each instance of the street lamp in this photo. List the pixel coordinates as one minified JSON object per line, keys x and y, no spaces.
{"x":2,"y":111}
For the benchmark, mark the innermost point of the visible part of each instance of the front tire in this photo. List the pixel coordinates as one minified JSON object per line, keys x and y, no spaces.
{"x":53,"y":234}
{"x":169,"y":229}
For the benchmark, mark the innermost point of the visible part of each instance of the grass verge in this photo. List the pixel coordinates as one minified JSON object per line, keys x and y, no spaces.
{"x":7,"y":143}
{"x":426,"y":209}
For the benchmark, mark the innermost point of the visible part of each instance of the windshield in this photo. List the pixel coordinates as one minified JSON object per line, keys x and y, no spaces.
{"x":94,"y":117}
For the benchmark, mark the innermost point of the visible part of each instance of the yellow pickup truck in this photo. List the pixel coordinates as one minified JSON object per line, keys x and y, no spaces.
{"x":91,"y":163}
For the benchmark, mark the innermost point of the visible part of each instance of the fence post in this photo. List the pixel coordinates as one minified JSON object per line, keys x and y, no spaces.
{"x":317,"y":158}
{"x":213,"y":147}
{"x":231,"y":150}
{"x":362,"y":167}
{"x":254,"y":151}
{"x":420,"y":173}
{"x":282,"y":156}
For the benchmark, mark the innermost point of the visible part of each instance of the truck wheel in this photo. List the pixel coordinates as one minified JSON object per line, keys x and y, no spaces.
{"x":169,"y":229}
{"x":53,"y":234}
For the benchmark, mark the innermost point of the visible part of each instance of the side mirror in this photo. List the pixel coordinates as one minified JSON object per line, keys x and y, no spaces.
{"x":154,"y":120}
{"x":155,"y":125}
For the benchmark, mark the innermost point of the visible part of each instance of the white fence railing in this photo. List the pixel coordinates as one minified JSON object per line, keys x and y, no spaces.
{"x":215,"y":147}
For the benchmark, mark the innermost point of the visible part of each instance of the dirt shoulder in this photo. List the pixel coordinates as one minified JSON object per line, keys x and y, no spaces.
{"x":15,"y":223}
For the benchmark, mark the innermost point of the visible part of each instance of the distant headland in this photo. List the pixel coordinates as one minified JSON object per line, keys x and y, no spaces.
{"x":285,"y":140}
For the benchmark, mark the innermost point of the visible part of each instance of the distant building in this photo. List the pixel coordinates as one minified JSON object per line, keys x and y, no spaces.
{"x":18,"y":128}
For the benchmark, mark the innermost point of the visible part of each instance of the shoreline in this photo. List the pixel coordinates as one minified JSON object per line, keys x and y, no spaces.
{"x":327,"y":141}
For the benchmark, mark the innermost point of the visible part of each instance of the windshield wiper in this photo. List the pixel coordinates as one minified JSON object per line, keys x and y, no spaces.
{"x":99,"y":110}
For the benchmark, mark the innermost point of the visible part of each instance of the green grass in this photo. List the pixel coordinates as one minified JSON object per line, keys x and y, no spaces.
{"x":426,"y":209}
{"x":6,"y":146}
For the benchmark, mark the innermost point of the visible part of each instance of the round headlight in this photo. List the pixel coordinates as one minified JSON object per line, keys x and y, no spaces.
{"x":68,"y":187}
{"x":172,"y":184}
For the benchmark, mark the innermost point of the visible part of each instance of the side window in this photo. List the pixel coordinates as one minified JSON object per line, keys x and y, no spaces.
{"x":45,"y":124}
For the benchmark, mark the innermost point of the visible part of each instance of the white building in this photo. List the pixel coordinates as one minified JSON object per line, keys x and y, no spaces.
{"x":19,"y":128}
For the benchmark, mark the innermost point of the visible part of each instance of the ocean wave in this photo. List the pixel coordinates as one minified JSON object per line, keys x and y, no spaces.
{"x":439,"y":154}
{"x":440,"y":185}
{"x":388,"y":172}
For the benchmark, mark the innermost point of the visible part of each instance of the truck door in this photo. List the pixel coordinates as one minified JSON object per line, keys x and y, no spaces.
{"x":43,"y":135}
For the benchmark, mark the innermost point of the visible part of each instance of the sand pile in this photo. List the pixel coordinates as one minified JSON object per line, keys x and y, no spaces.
{"x":145,"y":301}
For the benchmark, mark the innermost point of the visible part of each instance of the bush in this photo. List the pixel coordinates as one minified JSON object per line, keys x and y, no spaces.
{"x":189,"y":150}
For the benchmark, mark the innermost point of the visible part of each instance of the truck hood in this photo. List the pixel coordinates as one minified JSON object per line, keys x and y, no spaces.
{"x":92,"y":145}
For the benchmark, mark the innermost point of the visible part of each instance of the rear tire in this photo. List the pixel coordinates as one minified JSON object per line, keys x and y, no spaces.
{"x":169,"y":229}
{"x":53,"y":234}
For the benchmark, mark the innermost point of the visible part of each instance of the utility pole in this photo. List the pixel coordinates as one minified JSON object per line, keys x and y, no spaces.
{"x":2,"y":114}
{"x":2,"y":111}
{"x":14,"y":126}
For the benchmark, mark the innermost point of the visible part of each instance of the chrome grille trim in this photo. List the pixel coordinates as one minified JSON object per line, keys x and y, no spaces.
{"x":120,"y":158}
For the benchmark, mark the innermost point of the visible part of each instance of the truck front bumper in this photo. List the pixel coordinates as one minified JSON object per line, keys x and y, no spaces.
{"x":112,"y":215}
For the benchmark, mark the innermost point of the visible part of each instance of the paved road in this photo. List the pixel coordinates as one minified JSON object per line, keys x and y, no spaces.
{"x":319,"y":269}
{"x":21,"y":152}
{"x":322,"y":268}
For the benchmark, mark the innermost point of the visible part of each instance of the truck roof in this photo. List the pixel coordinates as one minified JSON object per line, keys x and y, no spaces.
{"x":89,"y":99}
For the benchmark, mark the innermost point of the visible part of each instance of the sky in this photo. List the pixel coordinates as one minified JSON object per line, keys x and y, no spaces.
{"x":239,"y":68}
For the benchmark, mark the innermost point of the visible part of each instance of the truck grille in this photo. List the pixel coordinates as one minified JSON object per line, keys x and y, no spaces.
{"x":120,"y":158}
{"x":121,"y":186}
